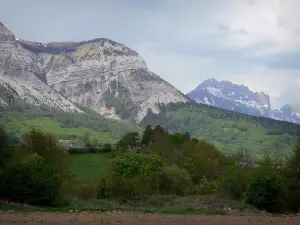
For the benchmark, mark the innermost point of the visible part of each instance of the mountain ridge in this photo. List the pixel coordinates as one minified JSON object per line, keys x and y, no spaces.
{"x":239,"y":98}
{"x":100,"y":74}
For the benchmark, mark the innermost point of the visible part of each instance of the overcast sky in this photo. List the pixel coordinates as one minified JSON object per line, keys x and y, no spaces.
{"x":250,"y":42}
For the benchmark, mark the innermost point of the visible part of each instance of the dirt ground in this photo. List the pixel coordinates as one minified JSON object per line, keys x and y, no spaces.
{"x":35,"y":218}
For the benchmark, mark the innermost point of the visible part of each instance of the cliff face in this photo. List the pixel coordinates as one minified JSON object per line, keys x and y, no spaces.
{"x":21,"y":77}
{"x":100,"y":74}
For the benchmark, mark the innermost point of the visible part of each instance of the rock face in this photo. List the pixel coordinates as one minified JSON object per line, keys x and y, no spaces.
{"x":239,"y":98}
{"x":100,"y":74}
{"x":21,"y":77}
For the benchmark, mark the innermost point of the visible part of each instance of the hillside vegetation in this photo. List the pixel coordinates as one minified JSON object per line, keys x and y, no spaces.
{"x":67,"y":126}
{"x":142,"y":167}
{"x":229,"y":131}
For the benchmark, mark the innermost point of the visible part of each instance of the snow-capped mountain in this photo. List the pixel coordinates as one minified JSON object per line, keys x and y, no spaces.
{"x":239,"y":98}
{"x":289,"y":113}
{"x":100,"y":74}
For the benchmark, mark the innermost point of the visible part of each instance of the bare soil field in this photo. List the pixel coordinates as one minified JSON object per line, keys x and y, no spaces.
{"x":83,"y":218}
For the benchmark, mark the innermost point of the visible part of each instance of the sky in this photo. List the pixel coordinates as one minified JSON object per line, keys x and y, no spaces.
{"x":250,"y":42}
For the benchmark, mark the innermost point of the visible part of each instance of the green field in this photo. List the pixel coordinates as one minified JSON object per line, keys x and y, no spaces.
{"x":88,"y":166}
{"x":52,"y":126}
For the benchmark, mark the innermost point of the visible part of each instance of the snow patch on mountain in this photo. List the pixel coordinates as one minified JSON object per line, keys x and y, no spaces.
{"x":239,"y":98}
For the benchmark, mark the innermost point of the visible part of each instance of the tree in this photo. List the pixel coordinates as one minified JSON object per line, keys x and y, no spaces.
{"x":147,"y":136}
{"x":233,"y":181}
{"x":265,"y":189}
{"x":87,"y":141}
{"x":107,"y":147}
{"x":3,"y":147}
{"x":31,"y":181}
{"x":243,"y":158}
{"x":175,"y":180}
{"x":45,"y":145}
{"x":129,"y":140}
{"x":291,"y":173}
{"x":132,"y":175}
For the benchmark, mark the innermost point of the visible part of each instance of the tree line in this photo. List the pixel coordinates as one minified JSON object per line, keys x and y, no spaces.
{"x":152,"y":163}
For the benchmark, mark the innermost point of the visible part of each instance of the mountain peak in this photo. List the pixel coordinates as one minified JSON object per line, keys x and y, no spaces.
{"x":227,"y":95}
{"x":6,"y":34}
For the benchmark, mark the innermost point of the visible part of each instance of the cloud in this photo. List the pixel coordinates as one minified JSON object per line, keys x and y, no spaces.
{"x":254,"y":42}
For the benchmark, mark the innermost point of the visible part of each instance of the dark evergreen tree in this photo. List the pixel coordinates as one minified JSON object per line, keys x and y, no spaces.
{"x":147,"y":136}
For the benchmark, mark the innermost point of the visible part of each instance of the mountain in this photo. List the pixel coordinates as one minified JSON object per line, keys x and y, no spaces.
{"x":22,"y":77}
{"x":99,"y":74}
{"x":238,"y":98}
{"x":289,"y":113}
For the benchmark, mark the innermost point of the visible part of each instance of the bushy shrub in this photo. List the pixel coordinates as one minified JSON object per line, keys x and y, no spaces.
{"x":31,"y":181}
{"x":45,"y":145}
{"x":265,"y":189}
{"x":175,"y":180}
{"x":80,"y":189}
{"x":132,"y":175}
{"x":207,"y":187}
{"x":233,"y":182}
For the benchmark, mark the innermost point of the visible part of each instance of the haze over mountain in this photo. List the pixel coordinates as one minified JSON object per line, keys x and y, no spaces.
{"x":239,"y":98}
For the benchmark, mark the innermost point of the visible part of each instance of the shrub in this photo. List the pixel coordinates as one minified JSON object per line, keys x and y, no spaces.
{"x":79,"y":189}
{"x":265,"y":189}
{"x":175,"y":180}
{"x":45,"y":145}
{"x":207,"y":187}
{"x":233,"y":182}
{"x":31,"y":181}
{"x":132,"y":175}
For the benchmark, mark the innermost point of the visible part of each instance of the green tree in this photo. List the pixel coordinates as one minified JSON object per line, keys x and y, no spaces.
{"x":233,"y":181}
{"x":31,"y":181}
{"x":291,"y":173}
{"x":132,"y":175}
{"x":265,"y":189}
{"x":3,"y":147}
{"x":87,"y":140}
{"x":175,"y":181}
{"x":128,"y":141}
{"x":147,"y":136}
{"x":45,"y":145}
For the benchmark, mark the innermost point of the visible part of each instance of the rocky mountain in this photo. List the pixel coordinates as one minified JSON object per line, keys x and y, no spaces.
{"x":289,"y":113}
{"x":100,"y":74}
{"x":22,"y":77}
{"x":239,"y":98}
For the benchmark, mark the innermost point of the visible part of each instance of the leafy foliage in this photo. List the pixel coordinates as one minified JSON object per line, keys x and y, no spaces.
{"x":66,"y":126}
{"x":175,"y":181}
{"x":128,"y":141}
{"x":132,"y":175}
{"x":265,"y":190}
{"x":233,"y":182}
{"x":3,"y":147}
{"x":31,"y":181}
{"x":45,"y":145}
{"x":292,"y":179}
{"x":228,"y":131}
